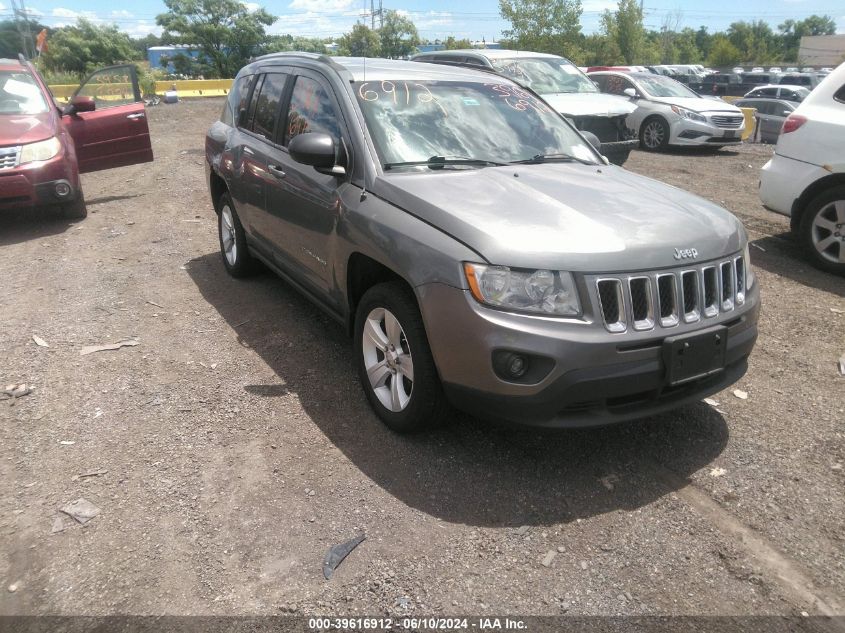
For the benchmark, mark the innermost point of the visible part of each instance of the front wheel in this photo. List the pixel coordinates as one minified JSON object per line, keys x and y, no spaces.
{"x":395,"y":365}
{"x":654,"y":134}
{"x":823,"y":230}
{"x":76,"y":210}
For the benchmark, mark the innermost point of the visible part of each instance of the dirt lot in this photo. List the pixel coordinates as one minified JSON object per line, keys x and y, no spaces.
{"x":234,"y":445}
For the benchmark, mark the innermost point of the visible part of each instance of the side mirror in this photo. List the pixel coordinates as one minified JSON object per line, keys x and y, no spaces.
{"x":317,"y":150}
{"x":631,"y":93}
{"x":81,"y":103}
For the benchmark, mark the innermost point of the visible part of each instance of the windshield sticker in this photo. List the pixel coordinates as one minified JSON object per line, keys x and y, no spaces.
{"x":518,"y":99}
{"x":406,"y":93}
{"x":21,"y":89}
{"x":470,"y":101}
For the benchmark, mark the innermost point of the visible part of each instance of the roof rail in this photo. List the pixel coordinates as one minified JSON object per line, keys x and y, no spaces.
{"x":320,"y":57}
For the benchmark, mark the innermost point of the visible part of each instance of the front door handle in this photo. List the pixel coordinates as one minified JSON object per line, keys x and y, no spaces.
{"x":277,"y":171}
{"x":137,"y":115}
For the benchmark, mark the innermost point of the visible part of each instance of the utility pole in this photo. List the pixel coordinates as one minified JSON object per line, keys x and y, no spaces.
{"x":373,"y":15}
{"x":22,"y":24}
{"x":380,"y":15}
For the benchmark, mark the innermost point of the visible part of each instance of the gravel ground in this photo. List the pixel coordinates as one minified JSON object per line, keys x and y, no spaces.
{"x":232,"y":446}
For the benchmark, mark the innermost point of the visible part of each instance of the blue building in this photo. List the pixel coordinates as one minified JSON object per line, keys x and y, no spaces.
{"x":155,"y":54}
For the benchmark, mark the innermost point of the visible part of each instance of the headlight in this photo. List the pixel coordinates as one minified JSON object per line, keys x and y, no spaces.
{"x":749,"y":272}
{"x":688,"y":114}
{"x":42,"y":150}
{"x":537,"y":291}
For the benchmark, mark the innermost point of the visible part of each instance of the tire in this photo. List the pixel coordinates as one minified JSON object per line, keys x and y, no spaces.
{"x":406,"y":400}
{"x":75,"y":210}
{"x":654,"y":134}
{"x":822,"y":230}
{"x":233,"y":247}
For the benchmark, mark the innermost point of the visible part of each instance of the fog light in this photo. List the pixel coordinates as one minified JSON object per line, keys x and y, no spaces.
{"x":516,"y":365}
{"x":62,"y":189}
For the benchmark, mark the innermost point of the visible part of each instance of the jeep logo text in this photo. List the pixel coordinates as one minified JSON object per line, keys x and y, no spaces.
{"x":686,"y":253}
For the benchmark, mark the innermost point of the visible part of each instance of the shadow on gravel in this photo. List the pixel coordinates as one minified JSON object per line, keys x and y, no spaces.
{"x":103,"y":199}
{"x":784,"y":256}
{"x":698,"y":150}
{"x":22,"y":225}
{"x":469,"y":472}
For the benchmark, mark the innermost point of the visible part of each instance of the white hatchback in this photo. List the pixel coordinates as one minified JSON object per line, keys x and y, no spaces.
{"x":805,"y":179}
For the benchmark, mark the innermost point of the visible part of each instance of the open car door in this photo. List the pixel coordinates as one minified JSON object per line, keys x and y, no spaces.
{"x":107,"y":121}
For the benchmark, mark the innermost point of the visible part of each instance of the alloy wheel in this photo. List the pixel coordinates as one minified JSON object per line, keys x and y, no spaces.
{"x":653,"y":135}
{"x":828,"y":232}
{"x":227,"y":235}
{"x":387,"y":359}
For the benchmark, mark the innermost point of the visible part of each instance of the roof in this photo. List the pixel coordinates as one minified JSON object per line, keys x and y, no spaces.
{"x":11,"y":63}
{"x":493,"y":53}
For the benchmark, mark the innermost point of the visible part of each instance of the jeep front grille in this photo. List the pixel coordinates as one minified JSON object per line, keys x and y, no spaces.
{"x":9,"y":157}
{"x":664,"y":299}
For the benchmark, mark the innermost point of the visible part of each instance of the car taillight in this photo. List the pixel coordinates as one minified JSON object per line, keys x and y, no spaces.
{"x":793,"y":122}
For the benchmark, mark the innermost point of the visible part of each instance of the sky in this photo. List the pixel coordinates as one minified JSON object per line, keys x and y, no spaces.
{"x":472,"y":19}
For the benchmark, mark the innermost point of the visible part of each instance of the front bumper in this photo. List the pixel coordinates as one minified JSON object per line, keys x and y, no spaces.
{"x":596,"y":377}
{"x":39,"y":183}
{"x":687,"y":132}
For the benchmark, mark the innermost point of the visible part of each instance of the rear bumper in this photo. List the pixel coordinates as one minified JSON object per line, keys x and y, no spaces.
{"x":783,"y":180}
{"x":55,"y":181}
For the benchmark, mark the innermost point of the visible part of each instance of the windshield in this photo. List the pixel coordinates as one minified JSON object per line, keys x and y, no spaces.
{"x":545,"y":75}
{"x":19,"y":94}
{"x":418,"y":120}
{"x":657,"y":86}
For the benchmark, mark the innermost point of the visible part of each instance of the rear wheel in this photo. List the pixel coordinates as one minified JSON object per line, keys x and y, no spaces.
{"x":75,"y":210}
{"x":236,"y":257}
{"x":654,"y":134}
{"x":394,"y":360}
{"x":823,"y":230}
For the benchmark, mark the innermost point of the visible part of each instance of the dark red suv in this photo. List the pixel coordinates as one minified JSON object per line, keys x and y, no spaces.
{"x":44,"y":146}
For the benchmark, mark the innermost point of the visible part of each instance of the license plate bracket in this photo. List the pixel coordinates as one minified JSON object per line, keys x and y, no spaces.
{"x":730,"y":133}
{"x":691,"y":356}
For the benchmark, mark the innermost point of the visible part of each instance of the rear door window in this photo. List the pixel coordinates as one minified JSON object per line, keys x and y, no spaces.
{"x":769,"y":92}
{"x":267,"y":105}
{"x":237,"y":99}
{"x":247,"y":122}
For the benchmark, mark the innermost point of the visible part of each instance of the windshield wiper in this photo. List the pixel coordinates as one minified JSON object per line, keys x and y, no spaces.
{"x":545,"y":158}
{"x":438,"y":162}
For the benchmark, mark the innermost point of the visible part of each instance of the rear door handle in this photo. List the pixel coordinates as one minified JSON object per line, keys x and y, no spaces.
{"x":277,"y":171}
{"x":137,"y":115}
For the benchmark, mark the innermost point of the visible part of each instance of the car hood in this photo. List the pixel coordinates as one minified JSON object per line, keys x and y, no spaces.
{"x":565,"y":216}
{"x":589,"y":104}
{"x":698,"y":104}
{"x":17,"y":129}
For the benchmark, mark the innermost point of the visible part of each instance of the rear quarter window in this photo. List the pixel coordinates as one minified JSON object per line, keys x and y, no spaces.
{"x":237,"y":99}
{"x":839,"y":95}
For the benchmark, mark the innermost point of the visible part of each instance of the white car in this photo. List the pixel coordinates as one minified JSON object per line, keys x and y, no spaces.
{"x":669,"y":113}
{"x":805,"y":179}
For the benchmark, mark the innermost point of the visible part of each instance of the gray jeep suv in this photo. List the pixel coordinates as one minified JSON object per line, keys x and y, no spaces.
{"x":479,"y":250}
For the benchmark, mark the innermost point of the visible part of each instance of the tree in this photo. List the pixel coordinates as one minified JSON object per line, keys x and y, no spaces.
{"x":276,"y":43}
{"x":10,"y":38}
{"x":625,"y":26}
{"x":703,"y":41}
{"x":722,"y":52}
{"x":83,"y":47}
{"x":453,"y":44}
{"x":398,"y":35}
{"x":225,"y":31}
{"x":755,"y":41}
{"x":545,"y":26}
{"x":361,"y":41}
